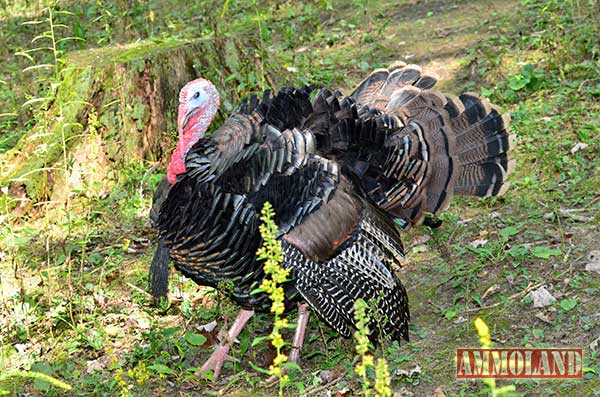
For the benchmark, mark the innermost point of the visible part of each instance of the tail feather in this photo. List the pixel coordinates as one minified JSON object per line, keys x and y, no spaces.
{"x":369,"y":88}
{"x":398,"y":78}
{"x":435,"y":146}
{"x":483,"y":144}
{"x":427,"y":81}
{"x":454,"y":106}
{"x":468,"y":144}
{"x":159,"y":272}
{"x":396,"y":65}
{"x":481,"y":179}
{"x":375,"y":90}
{"x":458,"y":146}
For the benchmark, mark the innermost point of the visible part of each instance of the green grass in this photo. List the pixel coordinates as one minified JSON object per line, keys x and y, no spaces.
{"x":72,"y":280}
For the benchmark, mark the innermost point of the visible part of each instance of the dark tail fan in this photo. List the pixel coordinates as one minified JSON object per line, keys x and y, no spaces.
{"x":449,"y":145}
{"x":467,"y":144}
{"x":482,"y":145}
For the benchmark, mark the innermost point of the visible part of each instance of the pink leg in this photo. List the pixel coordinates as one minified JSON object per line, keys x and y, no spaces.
{"x":216,"y":360}
{"x":294,"y":356}
{"x":301,"y":323}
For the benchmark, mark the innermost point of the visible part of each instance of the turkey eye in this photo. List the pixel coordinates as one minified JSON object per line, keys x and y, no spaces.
{"x":196,"y":95}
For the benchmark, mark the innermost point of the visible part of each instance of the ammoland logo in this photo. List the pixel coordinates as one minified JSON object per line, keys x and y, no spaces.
{"x":519,"y":363}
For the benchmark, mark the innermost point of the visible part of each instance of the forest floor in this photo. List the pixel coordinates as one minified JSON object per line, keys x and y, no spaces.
{"x":76,"y":307}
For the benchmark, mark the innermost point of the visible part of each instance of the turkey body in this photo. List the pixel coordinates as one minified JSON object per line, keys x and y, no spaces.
{"x":341,"y":172}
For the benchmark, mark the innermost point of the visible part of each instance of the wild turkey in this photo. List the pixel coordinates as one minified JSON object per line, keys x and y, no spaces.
{"x":340,"y":172}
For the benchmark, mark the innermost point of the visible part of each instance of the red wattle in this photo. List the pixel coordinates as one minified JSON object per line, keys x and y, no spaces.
{"x":176,"y":166}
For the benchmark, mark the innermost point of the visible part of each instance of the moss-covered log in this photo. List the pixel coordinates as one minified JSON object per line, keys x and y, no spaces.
{"x":114,"y":105}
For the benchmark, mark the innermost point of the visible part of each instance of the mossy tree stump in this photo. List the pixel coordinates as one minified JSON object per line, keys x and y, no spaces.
{"x":113,"y":105}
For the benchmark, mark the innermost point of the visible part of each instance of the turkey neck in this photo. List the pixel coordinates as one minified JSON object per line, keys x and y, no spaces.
{"x":191,"y":129}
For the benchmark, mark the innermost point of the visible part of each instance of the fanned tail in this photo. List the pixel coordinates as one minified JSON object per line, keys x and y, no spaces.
{"x":483,"y":144}
{"x":436,"y":146}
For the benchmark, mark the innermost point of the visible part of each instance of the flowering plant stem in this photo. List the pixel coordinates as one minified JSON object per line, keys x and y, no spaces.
{"x":275,"y":275}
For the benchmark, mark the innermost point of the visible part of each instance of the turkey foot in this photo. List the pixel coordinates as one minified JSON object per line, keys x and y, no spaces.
{"x":432,"y":221}
{"x":217,"y":359}
{"x":294,"y":356}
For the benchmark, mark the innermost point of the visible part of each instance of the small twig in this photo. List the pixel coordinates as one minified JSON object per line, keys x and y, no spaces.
{"x":536,"y":243}
{"x":530,"y":287}
{"x":318,"y":389}
{"x":584,"y":83}
{"x":438,"y":307}
{"x":513,"y":296}
{"x":270,"y":81}
{"x":593,"y":201}
{"x":138,"y":289}
{"x":452,"y":235}
{"x":105,"y":248}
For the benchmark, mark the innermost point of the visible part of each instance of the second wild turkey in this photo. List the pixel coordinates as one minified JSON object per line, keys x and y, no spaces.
{"x":340,"y":172}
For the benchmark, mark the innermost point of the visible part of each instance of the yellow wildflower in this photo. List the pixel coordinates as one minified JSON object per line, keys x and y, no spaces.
{"x":275,"y":275}
{"x":382,"y":379}
{"x":484,"y":332}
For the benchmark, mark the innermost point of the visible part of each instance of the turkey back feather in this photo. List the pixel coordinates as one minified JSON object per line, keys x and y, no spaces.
{"x":359,"y":269}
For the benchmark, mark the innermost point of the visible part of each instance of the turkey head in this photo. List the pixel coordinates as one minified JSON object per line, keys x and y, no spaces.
{"x":198,"y":105}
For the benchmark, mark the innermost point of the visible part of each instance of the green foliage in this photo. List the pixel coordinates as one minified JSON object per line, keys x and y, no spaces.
{"x":529,"y":78}
{"x":37,"y":376}
{"x":195,"y":339}
{"x":570,"y":32}
{"x":50,"y":40}
{"x":568,"y":304}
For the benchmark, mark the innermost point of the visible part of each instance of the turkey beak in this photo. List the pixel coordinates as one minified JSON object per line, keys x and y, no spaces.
{"x":187,"y":117}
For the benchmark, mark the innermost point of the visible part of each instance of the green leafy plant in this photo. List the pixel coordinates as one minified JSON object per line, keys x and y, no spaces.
{"x":49,"y":40}
{"x":529,"y":77}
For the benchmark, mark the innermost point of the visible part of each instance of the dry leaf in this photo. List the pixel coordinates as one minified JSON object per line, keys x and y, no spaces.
{"x":544,"y":318}
{"x":415,"y":371}
{"x":578,"y":146}
{"x":490,"y":291}
{"x":541,"y":297}
{"x":595,"y":343}
{"x":478,"y":243}
{"x":594,"y":262}
{"x":439,"y":392}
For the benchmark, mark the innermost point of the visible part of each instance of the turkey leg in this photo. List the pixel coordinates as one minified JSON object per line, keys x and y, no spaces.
{"x":301,"y":323}
{"x":294,"y":356}
{"x":216,"y":360}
